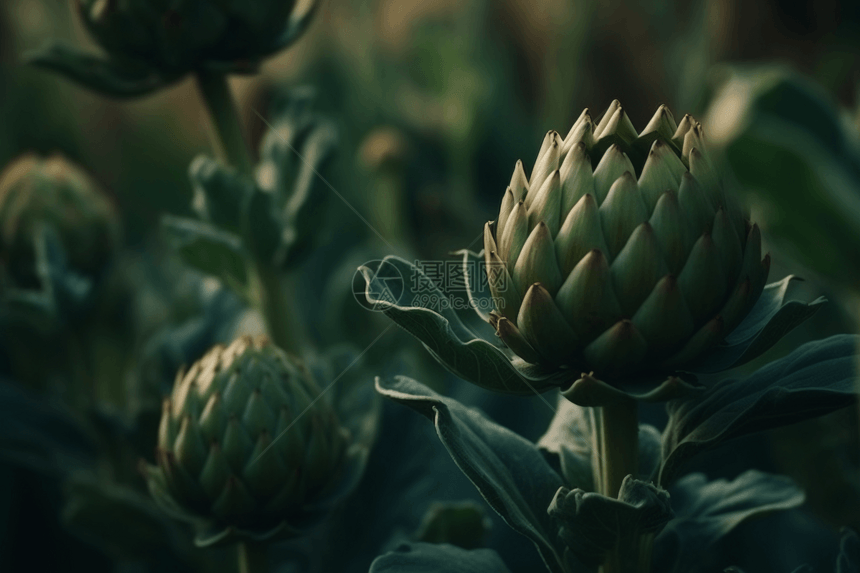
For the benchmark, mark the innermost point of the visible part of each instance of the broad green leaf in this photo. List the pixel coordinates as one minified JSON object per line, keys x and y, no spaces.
{"x":816,"y":378}
{"x":105,"y":76}
{"x":770,"y":319}
{"x":508,"y":470}
{"x":208,"y":249}
{"x":444,"y":334}
{"x":787,"y":146}
{"x":706,"y":511}
{"x":430,"y":558}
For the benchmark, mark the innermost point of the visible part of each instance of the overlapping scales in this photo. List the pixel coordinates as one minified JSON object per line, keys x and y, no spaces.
{"x":622,"y":252}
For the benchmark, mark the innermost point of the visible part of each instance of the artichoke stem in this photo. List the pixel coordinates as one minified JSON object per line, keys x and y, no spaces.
{"x":225,"y":118}
{"x":617,"y":433}
{"x":282,"y":324}
{"x":271,"y":295}
{"x":252,"y":557}
{"x":616,"y":449}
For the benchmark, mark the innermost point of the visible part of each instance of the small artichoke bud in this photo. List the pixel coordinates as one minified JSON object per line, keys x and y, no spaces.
{"x":628,"y":256}
{"x":54,"y":192}
{"x":247,"y":446}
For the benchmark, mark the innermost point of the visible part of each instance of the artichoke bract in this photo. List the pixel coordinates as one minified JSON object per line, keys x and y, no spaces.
{"x":248,"y":448}
{"x":622,"y":254}
{"x":54,"y":192}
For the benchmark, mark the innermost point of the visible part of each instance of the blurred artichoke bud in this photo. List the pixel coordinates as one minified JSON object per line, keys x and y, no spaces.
{"x":153,"y":43}
{"x":622,"y":254}
{"x":247,"y":449}
{"x":53,"y":192}
{"x":178,"y":37}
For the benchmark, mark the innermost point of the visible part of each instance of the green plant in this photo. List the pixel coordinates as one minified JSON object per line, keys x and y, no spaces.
{"x":618,"y":291}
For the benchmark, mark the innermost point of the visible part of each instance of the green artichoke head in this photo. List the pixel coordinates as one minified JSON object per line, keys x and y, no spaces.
{"x":248,"y":448}
{"x":54,"y":192}
{"x":623,"y":255}
{"x":177,"y":36}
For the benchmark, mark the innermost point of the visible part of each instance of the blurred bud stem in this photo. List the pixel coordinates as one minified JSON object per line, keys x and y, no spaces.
{"x":269,"y":292}
{"x":616,"y":455}
{"x":225,"y":118}
{"x":270,"y":295}
{"x":252,"y":558}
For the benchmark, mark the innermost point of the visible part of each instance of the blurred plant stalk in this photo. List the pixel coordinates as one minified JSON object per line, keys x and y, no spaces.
{"x":268,"y":290}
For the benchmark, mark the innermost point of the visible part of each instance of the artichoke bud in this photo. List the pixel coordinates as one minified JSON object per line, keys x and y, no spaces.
{"x":179,"y":37}
{"x":628,"y":256}
{"x":246,"y":445}
{"x":36,"y":193}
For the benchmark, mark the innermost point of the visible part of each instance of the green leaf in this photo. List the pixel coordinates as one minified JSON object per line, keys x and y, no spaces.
{"x":400,"y":292}
{"x":817,"y":378}
{"x":219,"y":192}
{"x":294,"y":153}
{"x":208,"y":249}
{"x":493,"y":458}
{"x":105,"y":76}
{"x":479,"y":294}
{"x":65,"y":295}
{"x":707,"y":511}
{"x":305,"y":208}
{"x":265,"y":228}
{"x":783,"y":138}
{"x":300,"y":19}
{"x":770,"y":319}
{"x":428,"y":558}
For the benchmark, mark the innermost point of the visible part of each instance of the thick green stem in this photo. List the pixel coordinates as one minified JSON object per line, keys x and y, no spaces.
{"x":268,"y":288}
{"x":225,"y":118}
{"x":619,"y":445}
{"x":252,"y":558}
{"x":284,"y":327}
{"x":616,"y":448}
